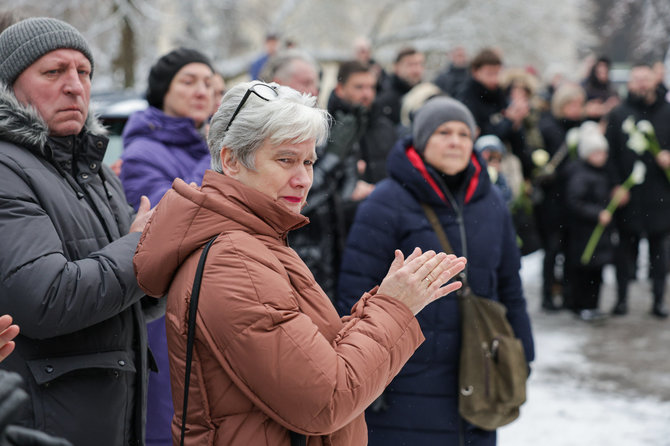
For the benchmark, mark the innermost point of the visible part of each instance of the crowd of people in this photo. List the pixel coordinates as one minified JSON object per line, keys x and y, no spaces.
{"x":342,"y":331}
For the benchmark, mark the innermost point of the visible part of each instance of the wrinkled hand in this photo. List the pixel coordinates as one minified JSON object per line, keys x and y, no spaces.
{"x":22,"y":436}
{"x":8,"y":332}
{"x":143,"y":213}
{"x":420,"y":279}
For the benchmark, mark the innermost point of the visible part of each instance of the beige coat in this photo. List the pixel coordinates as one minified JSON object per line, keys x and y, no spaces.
{"x":271,"y":353}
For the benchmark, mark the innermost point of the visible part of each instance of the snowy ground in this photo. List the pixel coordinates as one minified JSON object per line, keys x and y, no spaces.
{"x":606,"y":385}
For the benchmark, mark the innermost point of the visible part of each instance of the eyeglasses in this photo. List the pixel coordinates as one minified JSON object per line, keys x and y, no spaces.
{"x":264,"y":91}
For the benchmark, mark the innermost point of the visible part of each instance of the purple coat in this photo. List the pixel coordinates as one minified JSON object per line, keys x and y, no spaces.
{"x":157,"y":149}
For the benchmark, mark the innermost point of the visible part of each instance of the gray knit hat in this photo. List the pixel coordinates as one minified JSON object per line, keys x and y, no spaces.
{"x":434,"y":113}
{"x":26,"y":41}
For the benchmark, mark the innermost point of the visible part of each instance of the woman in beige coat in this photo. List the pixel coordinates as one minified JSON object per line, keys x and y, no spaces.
{"x":271,"y":355}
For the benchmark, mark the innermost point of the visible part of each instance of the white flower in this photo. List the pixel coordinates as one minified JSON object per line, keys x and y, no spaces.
{"x":540,"y":157}
{"x":493,"y":173}
{"x":572,"y":137}
{"x":628,"y":125}
{"x":639,"y":172}
{"x":637,"y":142}
{"x":645,"y":127}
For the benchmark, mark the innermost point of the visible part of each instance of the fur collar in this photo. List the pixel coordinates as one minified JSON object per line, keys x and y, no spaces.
{"x":22,"y":126}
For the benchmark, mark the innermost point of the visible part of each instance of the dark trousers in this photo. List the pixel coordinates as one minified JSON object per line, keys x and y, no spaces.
{"x":586,"y":281}
{"x":626,"y":263}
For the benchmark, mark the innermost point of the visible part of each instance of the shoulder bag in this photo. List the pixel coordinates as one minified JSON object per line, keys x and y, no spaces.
{"x":296,"y":439}
{"x":492,"y":371}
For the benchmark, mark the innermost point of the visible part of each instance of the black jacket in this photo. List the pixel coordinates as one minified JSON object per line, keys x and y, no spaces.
{"x":588,"y":191}
{"x":66,"y":276}
{"x":648,"y":210}
{"x":487,"y":107}
{"x":389,"y":100}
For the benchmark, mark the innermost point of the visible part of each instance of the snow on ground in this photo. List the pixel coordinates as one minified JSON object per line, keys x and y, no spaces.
{"x":564,"y":408}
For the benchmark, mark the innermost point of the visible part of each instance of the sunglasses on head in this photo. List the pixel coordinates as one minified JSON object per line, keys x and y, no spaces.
{"x":260,"y":89}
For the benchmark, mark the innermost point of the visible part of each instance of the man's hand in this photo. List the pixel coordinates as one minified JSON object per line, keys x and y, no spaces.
{"x":663,"y":159}
{"x":142,"y":216}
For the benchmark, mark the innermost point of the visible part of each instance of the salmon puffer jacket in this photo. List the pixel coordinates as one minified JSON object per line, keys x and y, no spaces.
{"x":271,"y":354}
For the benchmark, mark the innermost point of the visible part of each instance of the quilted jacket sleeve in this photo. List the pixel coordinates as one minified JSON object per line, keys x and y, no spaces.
{"x":47,"y":294}
{"x":276,"y":355}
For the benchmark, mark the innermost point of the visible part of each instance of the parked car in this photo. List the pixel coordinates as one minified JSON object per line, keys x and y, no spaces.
{"x":113,"y":109}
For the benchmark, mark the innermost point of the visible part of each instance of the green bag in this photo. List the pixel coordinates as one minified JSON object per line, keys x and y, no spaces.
{"x":492,"y":371}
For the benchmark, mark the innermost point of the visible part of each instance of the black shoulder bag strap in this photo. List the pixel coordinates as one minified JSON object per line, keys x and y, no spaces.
{"x":296,"y":439}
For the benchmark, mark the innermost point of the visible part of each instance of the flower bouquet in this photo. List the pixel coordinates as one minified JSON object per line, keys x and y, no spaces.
{"x":641,"y":138}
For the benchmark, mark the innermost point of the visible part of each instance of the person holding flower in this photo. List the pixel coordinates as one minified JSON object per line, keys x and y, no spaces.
{"x":645,"y":210}
{"x":588,"y":191}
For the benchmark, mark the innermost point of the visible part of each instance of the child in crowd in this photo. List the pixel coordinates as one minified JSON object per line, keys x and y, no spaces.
{"x":587,"y":195}
{"x":492,"y":150}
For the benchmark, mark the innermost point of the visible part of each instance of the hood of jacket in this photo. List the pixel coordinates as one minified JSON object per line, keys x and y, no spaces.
{"x":177,"y":132}
{"x":407,"y":167}
{"x":22,"y":125}
{"x":187,"y":217}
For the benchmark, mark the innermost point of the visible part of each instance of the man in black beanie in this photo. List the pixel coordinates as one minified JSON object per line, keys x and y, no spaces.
{"x":68,"y":238}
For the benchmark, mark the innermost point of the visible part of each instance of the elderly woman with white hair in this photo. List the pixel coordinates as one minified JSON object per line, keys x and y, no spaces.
{"x":273,"y":362}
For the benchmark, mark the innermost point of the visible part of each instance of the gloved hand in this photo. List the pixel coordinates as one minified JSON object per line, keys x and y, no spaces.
{"x":12,"y":399}
{"x":22,"y":436}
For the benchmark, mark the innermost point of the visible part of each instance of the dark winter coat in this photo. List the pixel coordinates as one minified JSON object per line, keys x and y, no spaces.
{"x":588,"y":191}
{"x":451,"y":80}
{"x":389,"y":99}
{"x":157,"y":149}
{"x":549,"y":193}
{"x":423,"y":398}
{"x":648,"y":210}
{"x":66,"y":276}
{"x":377,"y":132}
{"x":487,"y":107}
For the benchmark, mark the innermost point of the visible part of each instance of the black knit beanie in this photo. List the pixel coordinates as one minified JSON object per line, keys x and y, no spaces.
{"x":26,"y":41}
{"x":164,"y":70}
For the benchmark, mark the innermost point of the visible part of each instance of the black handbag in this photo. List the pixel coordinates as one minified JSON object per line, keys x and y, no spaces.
{"x":492,"y":370}
{"x":296,"y":439}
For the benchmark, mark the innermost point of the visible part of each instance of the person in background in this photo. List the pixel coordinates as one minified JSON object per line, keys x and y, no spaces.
{"x":453,"y":76}
{"x":437,"y":166}
{"x":271,"y":47}
{"x":271,"y":356}
{"x":412,"y":101}
{"x":363,"y":54}
{"x":587,"y":194}
{"x":494,"y":113}
{"x":163,"y":142}
{"x":567,"y":112}
{"x":408,"y":71}
{"x":68,"y":238}
{"x":659,"y":73}
{"x":293,"y":68}
{"x":601,"y":97}
{"x":645,"y":210}
{"x":219,"y":89}
{"x":491,"y":149}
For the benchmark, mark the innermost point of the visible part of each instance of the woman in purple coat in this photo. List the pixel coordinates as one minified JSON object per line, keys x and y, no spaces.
{"x":162,"y":143}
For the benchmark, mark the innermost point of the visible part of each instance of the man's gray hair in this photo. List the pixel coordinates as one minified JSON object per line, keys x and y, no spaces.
{"x":290,"y":117}
{"x":281,"y":67}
